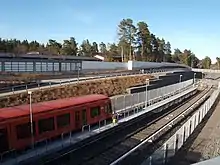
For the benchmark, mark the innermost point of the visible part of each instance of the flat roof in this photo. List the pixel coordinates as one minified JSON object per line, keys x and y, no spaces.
{"x":39,"y":56}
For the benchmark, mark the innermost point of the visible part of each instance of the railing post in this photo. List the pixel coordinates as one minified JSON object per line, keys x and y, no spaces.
{"x":70,"y":137}
{"x":82,"y":128}
{"x":165,"y":153}
{"x":150,"y":162}
{"x":62,"y":139}
{"x":99,"y":125}
{"x":124,"y":103}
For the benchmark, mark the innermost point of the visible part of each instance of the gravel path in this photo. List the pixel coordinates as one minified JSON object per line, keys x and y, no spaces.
{"x":204,"y":143}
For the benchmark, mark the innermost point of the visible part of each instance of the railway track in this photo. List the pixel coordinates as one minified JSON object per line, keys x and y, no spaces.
{"x":89,"y":152}
{"x":114,"y":152}
{"x":88,"y":148}
{"x":147,"y":147}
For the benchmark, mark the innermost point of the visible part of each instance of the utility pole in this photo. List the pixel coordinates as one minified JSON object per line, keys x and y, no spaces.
{"x":31,"y":119}
{"x":122,"y":54}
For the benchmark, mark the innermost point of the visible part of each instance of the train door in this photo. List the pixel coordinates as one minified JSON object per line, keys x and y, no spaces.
{"x":77,"y":120}
{"x":3,"y":140}
{"x":84,"y":117}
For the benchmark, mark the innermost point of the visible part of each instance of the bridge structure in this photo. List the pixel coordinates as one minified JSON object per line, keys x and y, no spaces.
{"x":130,"y":108}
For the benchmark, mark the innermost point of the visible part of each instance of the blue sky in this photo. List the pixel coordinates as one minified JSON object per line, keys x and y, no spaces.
{"x":191,"y":24}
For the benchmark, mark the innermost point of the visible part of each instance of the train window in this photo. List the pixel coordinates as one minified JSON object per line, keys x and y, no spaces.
{"x":46,"y":125}
{"x":108,"y":108}
{"x":63,"y":120}
{"x":24,"y":130}
{"x":95,"y":111}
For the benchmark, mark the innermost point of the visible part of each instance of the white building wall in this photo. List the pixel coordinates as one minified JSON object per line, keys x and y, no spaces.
{"x":96,"y":65}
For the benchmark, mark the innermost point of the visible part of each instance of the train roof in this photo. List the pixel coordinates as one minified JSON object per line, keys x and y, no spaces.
{"x":23,"y":110}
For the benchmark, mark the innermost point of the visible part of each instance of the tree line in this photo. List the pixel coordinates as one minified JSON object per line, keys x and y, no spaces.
{"x":135,"y":42}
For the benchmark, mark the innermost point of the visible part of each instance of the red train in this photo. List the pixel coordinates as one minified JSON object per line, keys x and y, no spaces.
{"x":50,"y":119}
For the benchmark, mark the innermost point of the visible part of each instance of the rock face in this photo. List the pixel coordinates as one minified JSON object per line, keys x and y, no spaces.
{"x":109,"y":87}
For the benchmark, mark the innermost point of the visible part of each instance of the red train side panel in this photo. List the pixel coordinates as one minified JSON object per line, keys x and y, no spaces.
{"x":50,"y":119}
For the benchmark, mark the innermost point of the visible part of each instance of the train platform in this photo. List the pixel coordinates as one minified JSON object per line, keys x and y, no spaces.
{"x":71,"y":139}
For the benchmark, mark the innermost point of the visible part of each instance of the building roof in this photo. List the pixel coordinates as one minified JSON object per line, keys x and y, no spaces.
{"x":23,"y":110}
{"x":54,"y":57}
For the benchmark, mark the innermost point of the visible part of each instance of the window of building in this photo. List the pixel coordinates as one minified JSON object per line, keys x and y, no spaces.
{"x":24,"y":130}
{"x":95,"y":111}
{"x":46,"y":125}
{"x":63,"y":120}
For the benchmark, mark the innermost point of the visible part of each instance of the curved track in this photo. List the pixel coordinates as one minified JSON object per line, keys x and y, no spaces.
{"x":126,"y":145}
{"x":113,"y":146}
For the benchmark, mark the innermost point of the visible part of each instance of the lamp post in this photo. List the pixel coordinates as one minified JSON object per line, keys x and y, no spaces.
{"x":180,"y":80}
{"x":31,"y":120}
{"x":79,"y":67}
{"x":194,"y":79}
{"x":147,"y":83}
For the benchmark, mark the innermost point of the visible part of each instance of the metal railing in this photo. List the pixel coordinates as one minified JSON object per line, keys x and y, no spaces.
{"x":154,"y":95}
{"x":175,"y":142}
{"x":66,"y":139}
{"x":151,"y":137}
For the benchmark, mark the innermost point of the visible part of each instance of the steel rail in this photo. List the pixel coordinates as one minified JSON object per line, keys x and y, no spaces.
{"x":149,"y":139}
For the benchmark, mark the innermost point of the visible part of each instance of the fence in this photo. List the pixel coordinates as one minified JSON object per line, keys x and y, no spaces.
{"x":124,"y":102}
{"x":170,"y":147}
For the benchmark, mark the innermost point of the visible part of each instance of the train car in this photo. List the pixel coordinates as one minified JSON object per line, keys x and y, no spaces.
{"x":50,"y":119}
